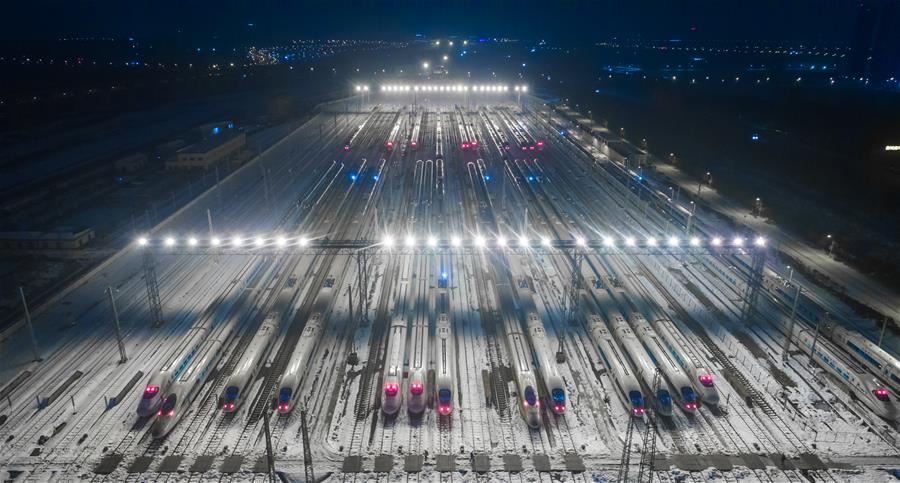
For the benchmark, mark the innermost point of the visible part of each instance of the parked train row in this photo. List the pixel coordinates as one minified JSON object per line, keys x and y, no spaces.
{"x":415,"y":393}
{"x":870,"y":372}
{"x":634,"y":350}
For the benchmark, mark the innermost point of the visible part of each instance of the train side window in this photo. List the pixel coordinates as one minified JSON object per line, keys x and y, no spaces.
{"x":863,"y":354}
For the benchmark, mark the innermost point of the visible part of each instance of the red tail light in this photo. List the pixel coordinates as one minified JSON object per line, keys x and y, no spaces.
{"x":283,"y":407}
{"x":151,"y":390}
{"x":540,"y":143}
{"x":159,"y":413}
{"x":444,"y":409}
{"x":706,"y":380}
{"x":390,"y":389}
{"x":690,"y":406}
{"x":559,"y":408}
{"x":416,"y":388}
{"x":171,"y":413}
{"x":881,"y":394}
{"x":637,"y":411}
{"x":347,"y":147}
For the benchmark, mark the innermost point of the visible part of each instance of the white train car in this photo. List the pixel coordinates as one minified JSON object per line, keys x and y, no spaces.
{"x":866,"y":353}
{"x":238,"y":384}
{"x":622,"y":374}
{"x":868,"y":389}
{"x":552,"y":380}
{"x":183,"y":391}
{"x":443,"y":364}
{"x":392,"y":397}
{"x":418,"y":364}
{"x":525,"y":378}
{"x":701,"y":377}
{"x":414,"y":136}
{"x":672,"y":372}
{"x":173,"y":367}
{"x":298,"y":365}
{"x":394,"y":135}
{"x":639,"y":358}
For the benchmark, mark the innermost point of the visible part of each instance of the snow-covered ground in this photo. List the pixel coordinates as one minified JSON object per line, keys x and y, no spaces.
{"x":802,"y":424}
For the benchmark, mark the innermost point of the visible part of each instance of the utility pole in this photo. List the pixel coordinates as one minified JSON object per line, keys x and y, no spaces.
{"x":350,"y":299}
{"x":115,"y":314}
{"x":34,"y":347}
{"x":307,"y":451}
{"x":270,"y":456}
{"x":153,"y":300}
{"x":881,"y":335}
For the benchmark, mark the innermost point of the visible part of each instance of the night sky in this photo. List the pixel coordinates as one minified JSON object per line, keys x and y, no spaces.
{"x":570,"y":21}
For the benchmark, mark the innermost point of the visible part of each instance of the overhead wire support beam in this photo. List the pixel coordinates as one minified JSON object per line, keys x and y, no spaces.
{"x":153,"y":300}
{"x":754,"y":282}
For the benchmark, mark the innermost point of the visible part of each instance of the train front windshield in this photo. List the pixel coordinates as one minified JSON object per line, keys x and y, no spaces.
{"x":665,"y":399}
{"x":444,"y":396}
{"x":688,"y":395}
{"x":231,"y":393}
{"x":636,"y":399}
{"x":168,"y":407}
{"x":284,"y":395}
{"x":559,"y":396}
{"x":530,"y":396}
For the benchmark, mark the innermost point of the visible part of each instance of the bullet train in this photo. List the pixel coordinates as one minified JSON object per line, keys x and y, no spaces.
{"x":438,"y":139}
{"x":394,"y":135}
{"x":414,"y":136}
{"x":184,"y":390}
{"x":868,"y":389}
{"x":298,"y":365}
{"x":525,"y":378}
{"x":646,"y":369}
{"x":864,"y":351}
{"x":672,"y":372}
{"x":238,"y":384}
{"x":867,"y":353}
{"x":443,"y":365}
{"x":702,"y":378}
{"x":392,"y":397}
{"x":173,"y":367}
{"x":418,"y":364}
{"x":622,"y":375}
{"x":552,"y":380}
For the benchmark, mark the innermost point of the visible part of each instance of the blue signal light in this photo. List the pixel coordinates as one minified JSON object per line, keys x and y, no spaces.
{"x":215,"y":130}
{"x":444,"y":275}
{"x":353,"y":176}
{"x":530,"y":178}
{"x":487,"y":177}
{"x":374,"y":177}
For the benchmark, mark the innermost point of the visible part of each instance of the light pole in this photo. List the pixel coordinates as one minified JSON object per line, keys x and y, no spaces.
{"x":790,"y":275}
